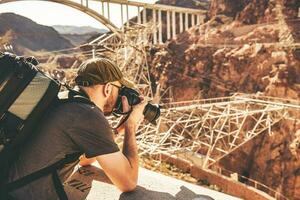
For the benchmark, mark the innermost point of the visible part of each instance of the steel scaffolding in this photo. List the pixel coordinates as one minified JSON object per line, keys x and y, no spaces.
{"x":213,"y":128}
{"x":208,"y":128}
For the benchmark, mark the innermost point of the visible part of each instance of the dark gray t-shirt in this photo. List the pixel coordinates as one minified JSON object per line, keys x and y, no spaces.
{"x":68,"y":128}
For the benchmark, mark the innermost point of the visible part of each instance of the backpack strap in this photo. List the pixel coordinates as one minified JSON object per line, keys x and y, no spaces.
{"x":52,"y":169}
{"x":59,"y":188}
{"x":77,"y":95}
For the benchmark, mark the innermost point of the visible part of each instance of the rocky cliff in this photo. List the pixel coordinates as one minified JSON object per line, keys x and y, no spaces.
{"x":78,"y":35}
{"x":245,"y":46}
{"x":229,"y":54}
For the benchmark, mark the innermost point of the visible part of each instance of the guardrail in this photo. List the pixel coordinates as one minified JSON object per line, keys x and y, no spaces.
{"x":260,"y":188}
{"x":250,"y":182}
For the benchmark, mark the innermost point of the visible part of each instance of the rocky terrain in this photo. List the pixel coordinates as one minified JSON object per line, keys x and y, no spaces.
{"x":23,"y":36}
{"x":27,"y":36}
{"x":273,"y":160}
{"x":78,"y":35}
{"x":245,"y":46}
{"x":228,"y":54}
{"x":80,"y":30}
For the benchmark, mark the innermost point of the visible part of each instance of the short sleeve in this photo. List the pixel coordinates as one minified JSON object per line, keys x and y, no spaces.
{"x":92,"y":134}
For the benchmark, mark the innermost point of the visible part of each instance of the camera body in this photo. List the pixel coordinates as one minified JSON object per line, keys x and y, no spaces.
{"x":151,"y":111}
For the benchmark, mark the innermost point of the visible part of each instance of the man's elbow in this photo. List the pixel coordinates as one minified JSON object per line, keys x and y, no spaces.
{"x":129,"y":186}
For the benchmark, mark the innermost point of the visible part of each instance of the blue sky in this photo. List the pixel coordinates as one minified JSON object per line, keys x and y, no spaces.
{"x":49,"y":13}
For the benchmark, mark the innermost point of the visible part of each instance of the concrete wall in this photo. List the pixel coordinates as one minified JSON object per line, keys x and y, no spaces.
{"x":227,"y":185}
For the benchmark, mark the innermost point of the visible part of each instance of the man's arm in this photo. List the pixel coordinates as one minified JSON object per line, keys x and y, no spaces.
{"x":122,"y":167}
{"x":120,"y":175}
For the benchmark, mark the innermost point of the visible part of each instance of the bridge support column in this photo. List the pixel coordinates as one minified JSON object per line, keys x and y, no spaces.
{"x":102,"y":8}
{"x":122,"y":17}
{"x":168,"y":25}
{"x":180,"y":22}
{"x":155,"y":26}
{"x":160,"y":27}
{"x":144,"y":15}
{"x":173,"y":24}
{"x":127,"y":16}
{"x":144,"y":22}
{"x":108,"y":10}
{"x":86,"y":3}
{"x":193,"y":19}
{"x":139,"y":20}
{"x":186,"y":21}
{"x":198,"y":20}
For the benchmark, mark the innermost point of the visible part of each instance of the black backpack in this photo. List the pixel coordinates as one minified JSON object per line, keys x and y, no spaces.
{"x":25,"y":95}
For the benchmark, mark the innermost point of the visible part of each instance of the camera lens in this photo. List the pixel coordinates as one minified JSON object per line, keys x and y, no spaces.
{"x":151,"y":113}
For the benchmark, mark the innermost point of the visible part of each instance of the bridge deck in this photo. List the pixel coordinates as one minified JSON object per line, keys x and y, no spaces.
{"x":156,"y":6}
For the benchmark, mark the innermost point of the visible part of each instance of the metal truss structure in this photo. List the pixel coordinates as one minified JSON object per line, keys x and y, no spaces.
{"x":208,"y":128}
{"x":213,"y":128}
{"x":130,"y":54}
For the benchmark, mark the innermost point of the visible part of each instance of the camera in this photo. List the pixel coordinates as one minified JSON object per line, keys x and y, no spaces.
{"x":151,"y":111}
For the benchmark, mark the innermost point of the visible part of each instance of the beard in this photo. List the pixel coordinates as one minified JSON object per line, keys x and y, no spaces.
{"x":110,"y":105}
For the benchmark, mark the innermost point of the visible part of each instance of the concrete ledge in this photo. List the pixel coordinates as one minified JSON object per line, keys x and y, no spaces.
{"x":91,"y":183}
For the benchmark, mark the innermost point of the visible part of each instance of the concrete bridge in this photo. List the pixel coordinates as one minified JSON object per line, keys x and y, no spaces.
{"x":160,"y":14}
{"x":214,"y":128}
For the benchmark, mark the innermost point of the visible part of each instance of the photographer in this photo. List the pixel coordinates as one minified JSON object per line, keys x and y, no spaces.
{"x":81,"y":126}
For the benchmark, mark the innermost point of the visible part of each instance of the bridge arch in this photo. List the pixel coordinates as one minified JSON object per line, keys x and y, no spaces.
{"x":106,"y":22}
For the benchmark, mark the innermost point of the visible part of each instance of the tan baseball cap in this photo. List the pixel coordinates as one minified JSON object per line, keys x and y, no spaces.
{"x":100,"y":71}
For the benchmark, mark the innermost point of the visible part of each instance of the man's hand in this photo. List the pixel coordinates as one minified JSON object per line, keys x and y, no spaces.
{"x":135,"y":117}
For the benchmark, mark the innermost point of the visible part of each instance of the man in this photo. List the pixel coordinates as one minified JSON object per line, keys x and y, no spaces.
{"x":82,"y":127}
